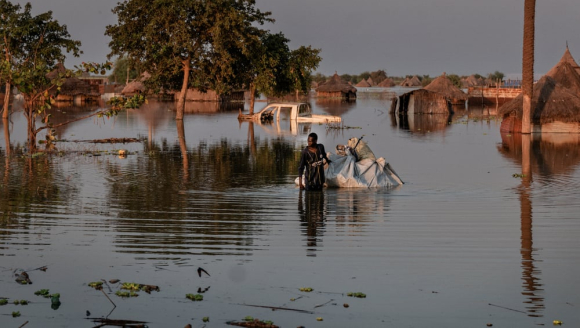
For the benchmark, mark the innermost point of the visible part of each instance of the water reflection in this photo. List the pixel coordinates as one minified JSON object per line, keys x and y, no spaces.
{"x":200,"y":212}
{"x":421,"y":125}
{"x":335,"y":106}
{"x":312,"y":211}
{"x":547,"y":161}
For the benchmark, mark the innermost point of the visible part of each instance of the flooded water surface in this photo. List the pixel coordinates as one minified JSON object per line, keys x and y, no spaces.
{"x":484,"y":230}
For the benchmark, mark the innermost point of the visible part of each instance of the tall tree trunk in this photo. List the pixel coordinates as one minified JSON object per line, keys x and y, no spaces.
{"x":183,"y":148}
{"x":31,"y":128}
{"x":6,"y":136}
{"x":252,"y":97}
{"x":6,"y":100}
{"x":182,"y":96}
{"x":528,"y":64}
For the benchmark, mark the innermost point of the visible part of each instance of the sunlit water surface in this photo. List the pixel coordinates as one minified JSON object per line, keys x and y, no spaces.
{"x":463,"y":243}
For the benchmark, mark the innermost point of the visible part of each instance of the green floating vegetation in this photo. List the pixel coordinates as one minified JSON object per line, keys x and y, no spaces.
{"x":3,"y":301}
{"x":306,"y":289}
{"x":249,"y":318}
{"x":194,"y":297}
{"x":126,"y":294}
{"x":517,"y":175}
{"x":96,"y":285}
{"x":255,"y":322}
{"x":205,"y":319}
{"x":131,"y":286}
{"x":359,"y":295}
{"x":42,"y":292}
{"x":15,"y":314}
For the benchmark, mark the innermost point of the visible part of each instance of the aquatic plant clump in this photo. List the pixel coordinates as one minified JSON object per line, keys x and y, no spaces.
{"x":306,"y":289}
{"x":195,"y":298}
{"x":98,"y":285}
{"x":43,"y":292}
{"x":3,"y":301}
{"x":250,"y":322}
{"x":358,"y":295}
{"x":126,"y":294}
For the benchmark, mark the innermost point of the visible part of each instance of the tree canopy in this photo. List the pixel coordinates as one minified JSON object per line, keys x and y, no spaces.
{"x":178,"y":41}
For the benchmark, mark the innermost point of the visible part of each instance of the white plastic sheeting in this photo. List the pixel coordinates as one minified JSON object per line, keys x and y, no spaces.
{"x":345,"y":172}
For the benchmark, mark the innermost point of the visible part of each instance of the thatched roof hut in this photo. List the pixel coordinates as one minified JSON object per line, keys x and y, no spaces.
{"x":443,"y":86}
{"x":313,"y":85}
{"x":387,"y":83}
{"x":371,"y":82}
{"x":335,"y":87}
{"x":555,"y":108}
{"x":566,"y":72}
{"x":136,"y":86}
{"x":555,"y":101}
{"x":566,"y":58}
{"x":363,"y":84}
{"x":72,"y":89}
{"x":411,"y":82}
{"x":421,"y":101}
{"x":472,"y":81}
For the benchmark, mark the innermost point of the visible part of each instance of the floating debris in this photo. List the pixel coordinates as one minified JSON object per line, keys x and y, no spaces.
{"x":250,"y":322}
{"x":359,"y":295}
{"x":306,"y":289}
{"x":196,"y":297}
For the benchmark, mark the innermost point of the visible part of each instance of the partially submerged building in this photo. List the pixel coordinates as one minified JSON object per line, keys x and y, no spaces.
{"x":555,"y":102}
{"x":443,"y":86}
{"x":336,"y":87}
{"x":386,"y":83}
{"x":436,"y":98}
{"x":363,"y":84}
{"x":73,"y":89}
{"x":411,"y":82}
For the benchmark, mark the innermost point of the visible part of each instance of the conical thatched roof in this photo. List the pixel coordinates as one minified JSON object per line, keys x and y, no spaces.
{"x":136,"y":86}
{"x":371,"y":82}
{"x":443,"y":86}
{"x":566,"y":73}
{"x":472,"y":81}
{"x":336,"y":84}
{"x":566,"y":58}
{"x":387,"y":83}
{"x":71,"y":86}
{"x":552,"y":102}
{"x":363,"y":84}
{"x":411,"y":82}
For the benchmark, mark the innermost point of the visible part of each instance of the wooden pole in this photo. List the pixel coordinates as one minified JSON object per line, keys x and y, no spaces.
{"x":528,"y":64}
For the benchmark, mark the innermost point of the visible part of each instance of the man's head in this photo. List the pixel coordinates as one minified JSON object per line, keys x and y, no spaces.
{"x":312,"y":139}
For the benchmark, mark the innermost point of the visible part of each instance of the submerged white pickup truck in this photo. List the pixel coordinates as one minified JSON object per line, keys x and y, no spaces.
{"x":299,"y":112}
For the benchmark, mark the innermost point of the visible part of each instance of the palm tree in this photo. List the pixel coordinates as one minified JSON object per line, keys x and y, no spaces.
{"x":528,"y":63}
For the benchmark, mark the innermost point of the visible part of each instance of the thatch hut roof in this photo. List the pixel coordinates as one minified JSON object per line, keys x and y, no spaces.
{"x":566,"y":73}
{"x":313,"y":85}
{"x":566,"y":58}
{"x":472,"y":81}
{"x":136,"y":86}
{"x":336,"y":84}
{"x":445,"y":87}
{"x":371,"y":82}
{"x":387,"y":83}
{"x":363,"y":84}
{"x":411,"y":82}
{"x":552,"y":102}
{"x":71,"y":86}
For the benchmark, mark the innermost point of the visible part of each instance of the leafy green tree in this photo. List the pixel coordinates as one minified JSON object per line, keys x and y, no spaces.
{"x":32,"y":47}
{"x":495,"y":76}
{"x":319,"y":77}
{"x":302,"y":62}
{"x":122,"y":71}
{"x":379,"y":76}
{"x":455,"y":79}
{"x":177,"y":40}
{"x":8,"y":17}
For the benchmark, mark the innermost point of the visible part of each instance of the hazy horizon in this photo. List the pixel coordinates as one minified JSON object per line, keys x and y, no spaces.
{"x":401,"y":37}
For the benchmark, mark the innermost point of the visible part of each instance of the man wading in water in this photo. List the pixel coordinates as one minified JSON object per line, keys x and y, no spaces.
{"x":312,"y":159}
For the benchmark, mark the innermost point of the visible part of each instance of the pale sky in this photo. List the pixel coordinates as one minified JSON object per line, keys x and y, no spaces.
{"x":399,"y":36}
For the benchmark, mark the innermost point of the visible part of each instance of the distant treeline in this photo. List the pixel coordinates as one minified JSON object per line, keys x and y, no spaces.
{"x":381,"y":75}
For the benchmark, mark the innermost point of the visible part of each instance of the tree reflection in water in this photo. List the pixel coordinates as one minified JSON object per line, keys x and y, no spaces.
{"x":550,"y":159}
{"x":312,"y":211}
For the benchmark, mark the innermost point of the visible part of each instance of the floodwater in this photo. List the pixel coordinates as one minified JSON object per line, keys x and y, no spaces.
{"x":464,"y":243}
